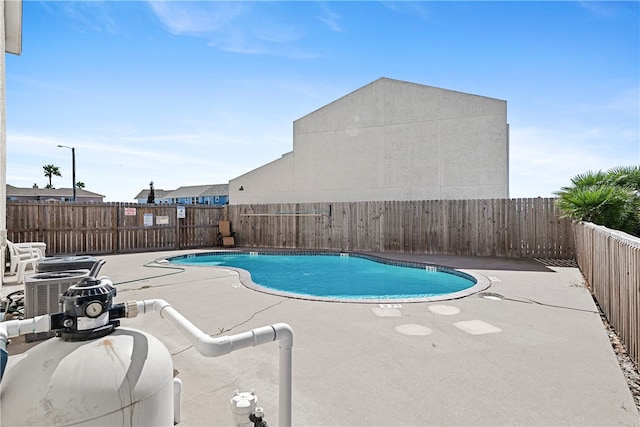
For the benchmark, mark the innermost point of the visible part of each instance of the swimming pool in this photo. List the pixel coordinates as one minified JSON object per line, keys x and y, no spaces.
{"x":343,"y":277}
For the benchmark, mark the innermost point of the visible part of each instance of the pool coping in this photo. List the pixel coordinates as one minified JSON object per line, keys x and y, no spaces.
{"x":481,"y":282}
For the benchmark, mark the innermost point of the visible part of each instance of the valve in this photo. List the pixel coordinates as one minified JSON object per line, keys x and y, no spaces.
{"x":88,"y":311}
{"x":258,"y":418}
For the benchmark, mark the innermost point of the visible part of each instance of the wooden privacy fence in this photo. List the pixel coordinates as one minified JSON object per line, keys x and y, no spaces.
{"x":520,"y":228}
{"x":610,"y":263}
{"x":106,"y":228}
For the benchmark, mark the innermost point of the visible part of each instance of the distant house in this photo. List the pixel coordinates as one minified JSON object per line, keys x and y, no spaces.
{"x":52,"y":194}
{"x":216,"y":194}
{"x":389,"y":140}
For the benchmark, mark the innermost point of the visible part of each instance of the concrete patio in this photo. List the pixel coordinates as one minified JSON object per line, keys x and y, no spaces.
{"x":537,"y":354}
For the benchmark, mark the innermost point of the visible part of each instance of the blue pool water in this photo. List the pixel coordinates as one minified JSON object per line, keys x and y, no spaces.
{"x":338,"y":277}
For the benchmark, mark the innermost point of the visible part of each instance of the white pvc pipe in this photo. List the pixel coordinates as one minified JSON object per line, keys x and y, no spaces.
{"x":213,"y":347}
{"x":177,"y":400}
{"x":205,"y":344}
{"x":15,"y":328}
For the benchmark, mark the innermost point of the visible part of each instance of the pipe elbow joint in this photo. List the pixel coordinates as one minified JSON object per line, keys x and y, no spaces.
{"x":149,"y":306}
{"x":284,"y":334}
{"x":159,"y":305}
{"x":211,"y":347}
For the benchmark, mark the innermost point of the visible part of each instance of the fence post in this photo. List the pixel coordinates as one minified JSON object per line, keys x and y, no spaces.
{"x":116,"y":224}
{"x":175,"y":212}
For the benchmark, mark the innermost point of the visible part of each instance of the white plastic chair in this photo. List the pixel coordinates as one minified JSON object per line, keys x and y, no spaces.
{"x":39,"y":246}
{"x":21,"y":258}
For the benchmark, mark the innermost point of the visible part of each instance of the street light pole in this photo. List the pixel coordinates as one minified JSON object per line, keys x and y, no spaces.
{"x":73,"y":168}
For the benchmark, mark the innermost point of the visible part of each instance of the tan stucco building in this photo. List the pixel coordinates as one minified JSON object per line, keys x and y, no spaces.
{"x":389,"y":140}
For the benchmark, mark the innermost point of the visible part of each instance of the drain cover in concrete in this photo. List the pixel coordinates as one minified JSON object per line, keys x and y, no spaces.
{"x":386,"y":312}
{"x":413,"y":329}
{"x":444,"y":310}
{"x":491,"y":296}
{"x":477,"y":327}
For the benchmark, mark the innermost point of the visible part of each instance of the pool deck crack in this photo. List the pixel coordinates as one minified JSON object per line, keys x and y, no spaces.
{"x":224,"y":329}
{"x":436,"y":324}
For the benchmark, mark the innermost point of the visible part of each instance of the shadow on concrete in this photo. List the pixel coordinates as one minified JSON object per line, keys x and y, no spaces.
{"x":452,"y":261}
{"x":470,"y":262}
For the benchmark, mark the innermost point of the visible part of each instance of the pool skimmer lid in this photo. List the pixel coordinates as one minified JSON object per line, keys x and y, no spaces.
{"x":491,"y":296}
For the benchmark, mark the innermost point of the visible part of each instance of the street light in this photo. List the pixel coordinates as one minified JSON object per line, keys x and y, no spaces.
{"x":73,"y":167}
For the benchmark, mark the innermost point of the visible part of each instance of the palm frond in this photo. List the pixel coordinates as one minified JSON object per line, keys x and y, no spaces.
{"x":589,"y":178}
{"x":625,"y":176}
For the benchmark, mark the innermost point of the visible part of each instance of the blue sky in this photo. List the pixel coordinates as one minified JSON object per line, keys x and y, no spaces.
{"x":189,"y":93}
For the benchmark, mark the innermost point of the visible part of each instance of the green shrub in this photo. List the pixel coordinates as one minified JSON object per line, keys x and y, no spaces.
{"x":609,"y":198}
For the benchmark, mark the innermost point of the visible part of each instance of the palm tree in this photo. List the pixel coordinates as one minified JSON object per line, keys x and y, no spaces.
{"x":50,"y":171}
{"x":610,"y":198}
{"x":80,"y":184}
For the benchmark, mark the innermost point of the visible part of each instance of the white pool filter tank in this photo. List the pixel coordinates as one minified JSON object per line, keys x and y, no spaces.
{"x":124,"y":378}
{"x":95,"y":373}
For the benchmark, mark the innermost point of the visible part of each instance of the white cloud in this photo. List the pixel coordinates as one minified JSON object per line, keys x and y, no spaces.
{"x":87,"y":16}
{"x":238,"y":27}
{"x":278,"y":34}
{"x":599,"y":8}
{"x":544,"y":160}
{"x":414,"y":8}
{"x":330,"y":18}
{"x":196,"y":17}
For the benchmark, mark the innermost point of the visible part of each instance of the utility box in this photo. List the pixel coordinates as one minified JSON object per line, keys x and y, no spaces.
{"x":42,"y":295}
{"x":67,"y":263}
